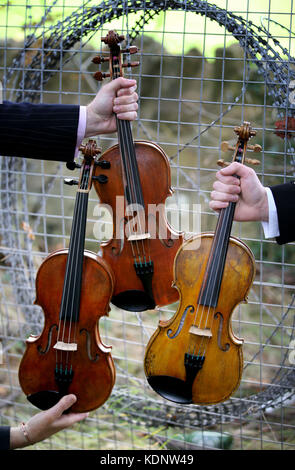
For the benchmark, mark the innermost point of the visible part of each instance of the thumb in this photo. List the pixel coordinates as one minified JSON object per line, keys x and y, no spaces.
{"x":64,"y":403}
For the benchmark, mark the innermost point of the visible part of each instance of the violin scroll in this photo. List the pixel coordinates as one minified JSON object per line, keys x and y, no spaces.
{"x":245,"y":133}
{"x":113,"y":40}
{"x":90,"y":149}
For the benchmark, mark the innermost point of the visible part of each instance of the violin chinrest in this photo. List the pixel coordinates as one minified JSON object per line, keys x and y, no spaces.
{"x":133,"y":300}
{"x":171,"y":388}
{"x":44,"y":399}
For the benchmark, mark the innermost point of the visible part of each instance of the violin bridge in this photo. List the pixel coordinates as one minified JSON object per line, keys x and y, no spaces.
{"x":194,"y":330}
{"x":61,"y":346}
{"x":140,"y":236}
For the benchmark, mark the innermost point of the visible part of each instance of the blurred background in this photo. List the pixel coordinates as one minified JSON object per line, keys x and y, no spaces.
{"x":204,"y":69}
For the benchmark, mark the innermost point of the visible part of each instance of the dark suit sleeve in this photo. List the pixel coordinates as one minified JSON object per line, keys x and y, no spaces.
{"x":43,"y":131}
{"x":284,"y":196}
{"x":4,"y":437}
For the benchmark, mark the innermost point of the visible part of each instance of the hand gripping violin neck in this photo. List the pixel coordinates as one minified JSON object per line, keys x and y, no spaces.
{"x":136,"y":185}
{"x":195,"y":356}
{"x":74,"y":288}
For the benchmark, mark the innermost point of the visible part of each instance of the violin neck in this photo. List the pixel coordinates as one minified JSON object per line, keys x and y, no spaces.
{"x":209,"y":293}
{"x":133,"y":189}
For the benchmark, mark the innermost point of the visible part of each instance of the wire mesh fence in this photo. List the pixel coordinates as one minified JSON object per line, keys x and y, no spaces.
{"x":204,"y":69}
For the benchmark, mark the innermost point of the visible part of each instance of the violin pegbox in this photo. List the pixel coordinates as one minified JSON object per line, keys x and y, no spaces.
{"x":113,"y":40}
{"x":245,"y":133}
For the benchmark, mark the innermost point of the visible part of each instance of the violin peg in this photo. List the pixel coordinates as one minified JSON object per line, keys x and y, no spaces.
{"x":222,"y":163}
{"x":255,"y":148}
{"x":72,"y":165}
{"x":131,"y":50}
{"x":70,"y":181}
{"x":225,"y":146}
{"x":131,"y":64}
{"x":100,"y":76}
{"x":252,"y":161}
{"x":100,"y":60}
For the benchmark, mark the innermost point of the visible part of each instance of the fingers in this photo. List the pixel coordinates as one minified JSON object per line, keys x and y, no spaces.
{"x":120,"y":84}
{"x":217,"y":205}
{"x":238,"y":169}
{"x":225,"y":192}
{"x":127,"y":91}
{"x":125,"y":104}
{"x":126,"y":112}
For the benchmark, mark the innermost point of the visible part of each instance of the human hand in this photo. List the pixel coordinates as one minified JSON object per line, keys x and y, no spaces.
{"x":247,"y":191}
{"x":117,"y":96}
{"x":44,"y":424}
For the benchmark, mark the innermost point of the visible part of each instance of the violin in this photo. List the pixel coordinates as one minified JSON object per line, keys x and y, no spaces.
{"x":134,"y":180}
{"x":74,"y":287}
{"x":195,"y":356}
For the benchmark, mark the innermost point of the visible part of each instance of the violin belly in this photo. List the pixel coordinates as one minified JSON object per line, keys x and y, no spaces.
{"x":86,"y":357}
{"x":157,"y":240}
{"x":195,"y":356}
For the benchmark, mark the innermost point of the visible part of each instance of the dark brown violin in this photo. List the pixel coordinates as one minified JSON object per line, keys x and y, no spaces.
{"x":74,"y":288}
{"x":134,"y":180}
{"x":195,"y":356}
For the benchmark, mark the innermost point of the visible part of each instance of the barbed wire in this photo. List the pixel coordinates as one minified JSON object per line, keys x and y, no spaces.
{"x":273,"y":62}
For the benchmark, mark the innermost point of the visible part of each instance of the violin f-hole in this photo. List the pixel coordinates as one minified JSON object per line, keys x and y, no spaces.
{"x":227,"y":345}
{"x":88,"y":346}
{"x":169,"y":332}
{"x":49,"y":340}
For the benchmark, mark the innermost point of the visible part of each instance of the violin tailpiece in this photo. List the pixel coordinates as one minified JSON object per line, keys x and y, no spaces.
{"x":145,"y":273}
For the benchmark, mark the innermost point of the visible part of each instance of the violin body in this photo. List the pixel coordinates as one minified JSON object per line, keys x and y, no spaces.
{"x":92,"y":364}
{"x":220,"y":374}
{"x":130,"y":292}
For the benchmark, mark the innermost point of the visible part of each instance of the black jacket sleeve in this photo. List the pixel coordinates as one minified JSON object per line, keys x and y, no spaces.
{"x":43,"y":131}
{"x":4,"y":437}
{"x":284,"y":196}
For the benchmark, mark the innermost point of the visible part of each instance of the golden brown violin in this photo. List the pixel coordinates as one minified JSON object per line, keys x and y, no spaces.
{"x":74,"y":288}
{"x":195,"y":356}
{"x":134,"y":180}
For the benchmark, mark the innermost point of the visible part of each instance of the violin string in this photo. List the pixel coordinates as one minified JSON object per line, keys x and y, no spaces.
{"x":137,"y":185}
{"x":128,"y":174}
{"x":131,"y":170}
{"x":62,"y":316}
{"x":139,"y":188}
{"x":133,"y":176}
{"x":72,"y":277}
{"x":225,"y":221}
{"x":126,"y":179}
{"x":203,"y":287}
{"x":71,"y":269}
{"x":78,"y":268}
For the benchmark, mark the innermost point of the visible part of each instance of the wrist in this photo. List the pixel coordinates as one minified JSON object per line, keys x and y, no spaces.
{"x":263,"y":207}
{"x":19,"y":437}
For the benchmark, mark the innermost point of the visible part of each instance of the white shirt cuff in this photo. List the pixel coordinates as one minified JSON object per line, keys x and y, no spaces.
{"x":81,"y":128}
{"x":271,"y":228}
